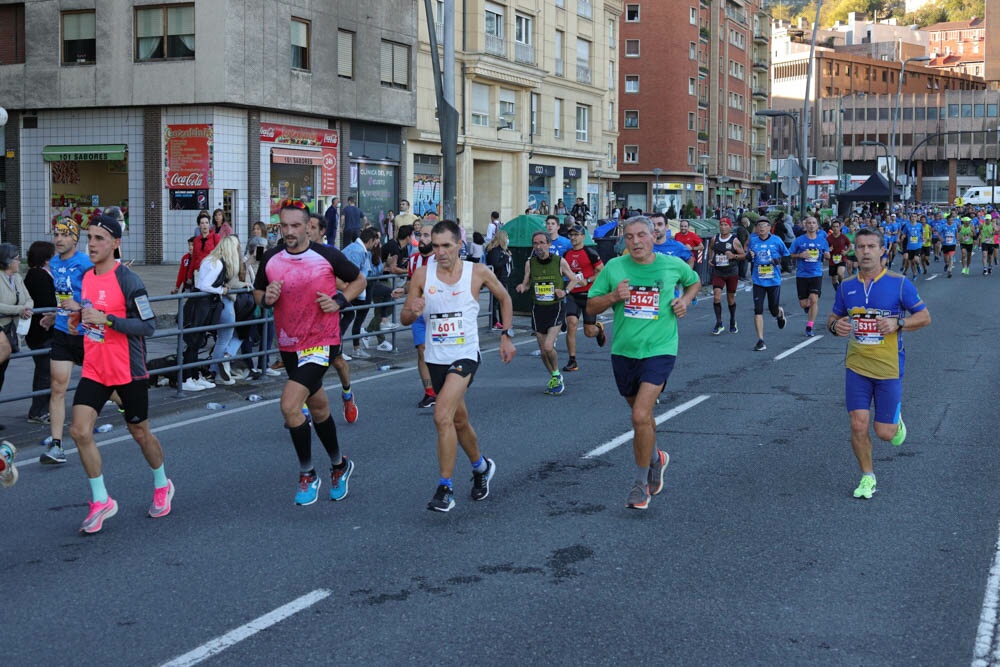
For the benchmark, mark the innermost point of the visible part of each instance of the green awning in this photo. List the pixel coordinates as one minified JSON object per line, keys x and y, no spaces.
{"x":85,"y":152}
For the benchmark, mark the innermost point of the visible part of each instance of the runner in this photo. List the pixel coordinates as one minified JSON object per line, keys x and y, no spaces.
{"x":986,"y":232}
{"x":890,"y":231}
{"x":912,"y":234}
{"x":586,"y":264}
{"x":725,"y":253}
{"x":446,"y":294}
{"x":766,"y":250}
{"x":810,"y":251}
{"x":927,"y":243}
{"x":644,"y":348}
{"x":543,"y":274}
{"x":425,"y":250}
{"x":967,"y":240}
{"x":839,"y":246}
{"x":299,"y":280}
{"x":872,"y":309}
{"x":67,"y":267}
{"x":116,"y":318}
{"x":558,"y":245}
{"x":948,"y":231}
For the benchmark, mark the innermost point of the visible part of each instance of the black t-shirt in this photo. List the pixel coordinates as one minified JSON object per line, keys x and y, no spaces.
{"x":392,"y":247}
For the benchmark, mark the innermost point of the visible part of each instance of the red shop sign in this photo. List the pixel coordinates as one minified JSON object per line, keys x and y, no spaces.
{"x":298,"y":136}
{"x":187,"y":158}
{"x":328,"y":185}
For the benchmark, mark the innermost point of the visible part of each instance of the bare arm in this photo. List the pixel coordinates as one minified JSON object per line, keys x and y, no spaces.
{"x":413,"y":307}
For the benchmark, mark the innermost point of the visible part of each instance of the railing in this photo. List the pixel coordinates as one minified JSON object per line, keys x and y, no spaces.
{"x":496,"y":45}
{"x":759,"y":91}
{"x":759,"y":121}
{"x":761,"y":176}
{"x":524,"y":53}
{"x":758,"y":148}
{"x":703,"y":100}
{"x":738,"y":15}
{"x":760,"y":35}
{"x":583,"y":73}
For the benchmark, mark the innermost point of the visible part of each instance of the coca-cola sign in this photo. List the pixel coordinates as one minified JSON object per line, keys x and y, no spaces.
{"x":187,"y":156}
{"x":294,"y":135}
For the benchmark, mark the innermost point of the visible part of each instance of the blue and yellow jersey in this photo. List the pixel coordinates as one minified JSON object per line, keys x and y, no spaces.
{"x":890,"y":295}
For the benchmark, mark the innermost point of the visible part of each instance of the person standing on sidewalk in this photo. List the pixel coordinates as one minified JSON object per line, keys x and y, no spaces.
{"x":116,"y":318}
{"x":299,"y":280}
{"x":873,"y":308}
{"x":38,"y":282}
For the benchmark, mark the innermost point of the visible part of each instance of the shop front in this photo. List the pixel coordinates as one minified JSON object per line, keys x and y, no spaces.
{"x":302,"y":165}
{"x":376,"y":185}
{"x":539,"y":186}
{"x":571,"y":186}
{"x":86,"y":179}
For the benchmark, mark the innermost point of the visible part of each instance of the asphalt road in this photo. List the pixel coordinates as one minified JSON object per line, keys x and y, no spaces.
{"x":754,"y":554}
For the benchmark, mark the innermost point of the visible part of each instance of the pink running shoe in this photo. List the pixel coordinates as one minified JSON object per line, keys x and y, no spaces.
{"x":98,"y":513}
{"x":161,"y":500}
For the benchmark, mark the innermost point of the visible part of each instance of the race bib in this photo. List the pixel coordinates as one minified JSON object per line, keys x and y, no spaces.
{"x":812,"y":254}
{"x":319,"y":355}
{"x":643,"y":303}
{"x":61,"y":298}
{"x":914,"y":240}
{"x":545,"y":292}
{"x":94,"y":332}
{"x":837,"y":258}
{"x":949,"y":239}
{"x":866,"y":330}
{"x":722,"y":260}
{"x":765,"y":271}
{"x":447,"y":329}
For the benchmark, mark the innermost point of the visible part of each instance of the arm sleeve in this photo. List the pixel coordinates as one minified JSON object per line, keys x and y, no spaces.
{"x":133,"y":289}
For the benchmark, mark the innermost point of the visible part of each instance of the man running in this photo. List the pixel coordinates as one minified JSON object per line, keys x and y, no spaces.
{"x":986,"y":244}
{"x":644,"y":347}
{"x":544,"y":274}
{"x":839,"y":247}
{"x":766,"y":250}
{"x":116,"y":318}
{"x":724,"y":254}
{"x":948,"y":230}
{"x":558,"y":245}
{"x":586,"y":264}
{"x":446,"y":294}
{"x":967,"y":241}
{"x":299,"y":281}
{"x":872,"y":309}
{"x":912,"y":234}
{"x":810,"y":251}
{"x":425,"y":251}
{"x":67,"y":267}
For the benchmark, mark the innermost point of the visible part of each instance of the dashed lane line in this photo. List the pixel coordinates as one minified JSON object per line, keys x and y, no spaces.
{"x":791,"y":351}
{"x":625,"y":437}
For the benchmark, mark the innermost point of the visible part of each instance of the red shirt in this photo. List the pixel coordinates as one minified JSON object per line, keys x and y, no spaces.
{"x":185,"y":274}
{"x":203,"y":245}
{"x":582,"y":262}
{"x":106,"y":351}
{"x":417,"y":260}
{"x":689,"y":238}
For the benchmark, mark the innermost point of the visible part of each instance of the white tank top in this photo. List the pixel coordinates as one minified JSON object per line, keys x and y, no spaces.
{"x":452,"y":316}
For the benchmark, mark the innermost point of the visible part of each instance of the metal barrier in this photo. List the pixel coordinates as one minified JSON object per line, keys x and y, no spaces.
{"x":263,"y":352}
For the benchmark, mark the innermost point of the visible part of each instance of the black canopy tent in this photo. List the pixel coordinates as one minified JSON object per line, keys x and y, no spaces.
{"x":876,"y":188}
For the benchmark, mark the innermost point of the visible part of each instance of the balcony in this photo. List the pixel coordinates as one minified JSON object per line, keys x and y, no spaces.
{"x":702,"y":64}
{"x":584,"y":9}
{"x":496,"y":46}
{"x":703,"y":136}
{"x":738,"y":15}
{"x":524,"y":53}
{"x":760,"y":65}
{"x":760,"y":91}
{"x":706,"y":3}
{"x":760,"y":36}
{"x":582,"y":73}
{"x":762,"y":176}
{"x":703,"y":33}
{"x":703,"y":101}
{"x":758,"y":149}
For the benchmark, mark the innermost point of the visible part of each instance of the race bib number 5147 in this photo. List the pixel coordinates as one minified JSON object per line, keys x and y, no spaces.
{"x":643,"y":303}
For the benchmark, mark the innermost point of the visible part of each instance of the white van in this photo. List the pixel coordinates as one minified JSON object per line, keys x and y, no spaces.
{"x":979,"y":195}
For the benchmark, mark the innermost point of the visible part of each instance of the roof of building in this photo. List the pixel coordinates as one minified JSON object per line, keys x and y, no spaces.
{"x":977,"y":22}
{"x":956,"y":59}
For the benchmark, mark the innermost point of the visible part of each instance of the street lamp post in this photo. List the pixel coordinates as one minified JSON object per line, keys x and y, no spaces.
{"x":886,"y":149}
{"x":803,"y":173}
{"x":891,"y":151}
{"x":703,"y":159}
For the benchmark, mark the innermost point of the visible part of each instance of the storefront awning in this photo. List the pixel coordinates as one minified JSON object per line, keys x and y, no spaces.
{"x":293,"y":156}
{"x":85,"y":152}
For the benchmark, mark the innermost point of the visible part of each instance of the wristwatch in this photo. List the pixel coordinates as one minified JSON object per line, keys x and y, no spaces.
{"x":509,"y":333}
{"x":900,"y":321}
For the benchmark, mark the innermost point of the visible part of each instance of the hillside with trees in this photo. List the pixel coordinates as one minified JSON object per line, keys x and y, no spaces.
{"x":938,"y":11}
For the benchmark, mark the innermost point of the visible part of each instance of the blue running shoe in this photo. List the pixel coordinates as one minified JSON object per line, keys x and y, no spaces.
{"x":309,"y":484}
{"x":555,"y":386}
{"x":339,"y":478}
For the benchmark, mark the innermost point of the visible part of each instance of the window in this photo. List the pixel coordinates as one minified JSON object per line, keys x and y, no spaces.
{"x":631,"y":13}
{"x":736,"y":132}
{"x":560,"y":48}
{"x":991,"y":110}
{"x":932,"y":113}
{"x":631,"y":83}
{"x":494,"y":20}
{"x":611,"y":33}
{"x":535,"y":102}
{"x":611,"y":75}
{"x":395,"y":65}
{"x":631,"y":48}
{"x":691,"y":88}
{"x":583,"y":61}
{"x":584,"y":9}
{"x":632,"y":119}
{"x":692,"y":51}
{"x":300,"y":44}
{"x":920,"y":113}
{"x":966,"y":111}
{"x":79,"y":37}
{"x":611,"y":116}
{"x":522,"y":29}
{"x":12,"y":34}
{"x":557,"y":117}
{"x":345,"y":54}
{"x":631,"y":154}
{"x":480,"y":105}
{"x":561,"y":4}
{"x":163,"y":33}
{"x":952,"y":111}
{"x":693,"y":16}
{"x":582,"y":123}
{"x":508,"y":106}
{"x":691,"y":120}
{"x":848,"y":114}
{"x":690,"y":155}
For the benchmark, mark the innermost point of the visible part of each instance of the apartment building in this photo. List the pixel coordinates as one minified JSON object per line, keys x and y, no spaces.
{"x":169,"y":108}
{"x":959,"y":46}
{"x":536,"y":91}
{"x":692,"y":76}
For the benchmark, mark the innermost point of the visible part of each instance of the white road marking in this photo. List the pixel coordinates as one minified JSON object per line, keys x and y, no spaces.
{"x":984,"y":653}
{"x":933,"y":277}
{"x":220,"y":644}
{"x":625,"y":437}
{"x":807,"y":341}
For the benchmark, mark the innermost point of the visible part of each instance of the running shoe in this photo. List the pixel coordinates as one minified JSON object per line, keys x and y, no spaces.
{"x":733,"y":329}
{"x":571,"y":366}
{"x":555,"y":386}
{"x":809,"y":332}
{"x":443,"y":500}
{"x":8,"y":471}
{"x":759,"y":347}
{"x":161,"y":500}
{"x":900,"y":436}
{"x":350,"y":409}
{"x":53,"y":455}
{"x":427,"y":401}
{"x":481,"y":481}
{"x":339,"y":478}
{"x":98,"y":513}
{"x":638,"y":497}
{"x":601,"y":337}
{"x":717,"y":329}
{"x":781,"y":317}
{"x":309,"y":484}
{"x":866,"y":489}
{"x":656,"y":471}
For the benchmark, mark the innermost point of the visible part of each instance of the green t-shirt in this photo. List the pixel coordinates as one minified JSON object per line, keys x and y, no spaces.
{"x":546,"y":278}
{"x":645,"y":325}
{"x":966,"y":235}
